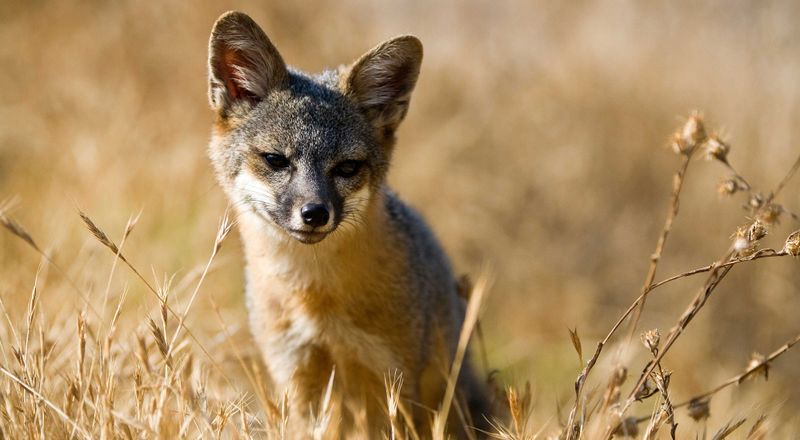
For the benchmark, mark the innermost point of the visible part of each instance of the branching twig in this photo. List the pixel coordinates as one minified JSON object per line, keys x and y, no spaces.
{"x":662,"y":239}
{"x":686,"y":143}
{"x":752,"y":369}
{"x":715,"y":277}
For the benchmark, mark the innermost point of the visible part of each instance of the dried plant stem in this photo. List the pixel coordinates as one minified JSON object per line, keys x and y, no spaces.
{"x":47,"y":402}
{"x":222,"y":232}
{"x":785,"y":180}
{"x":20,"y":232}
{"x":252,"y":376}
{"x":714,"y":278}
{"x":470,"y":318}
{"x":638,"y":304}
{"x":103,"y":238}
{"x":721,"y":269}
{"x":752,"y":369}
{"x":763,"y":253}
{"x":677,"y":186}
{"x":737,"y":175}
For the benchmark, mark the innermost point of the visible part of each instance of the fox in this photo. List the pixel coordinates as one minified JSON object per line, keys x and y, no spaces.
{"x":346,"y":285}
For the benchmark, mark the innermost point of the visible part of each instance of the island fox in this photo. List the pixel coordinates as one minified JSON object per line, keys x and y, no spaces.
{"x":341,"y":275}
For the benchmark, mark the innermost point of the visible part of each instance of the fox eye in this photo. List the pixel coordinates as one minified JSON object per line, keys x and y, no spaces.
{"x":276,"y":161}
{"x":348,"y":168}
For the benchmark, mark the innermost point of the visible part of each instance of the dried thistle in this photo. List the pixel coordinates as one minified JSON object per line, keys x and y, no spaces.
{"x":717,"y":149}
{"x":651,"y":339}
{"x":792,"y":246}
{"x":742,"y":244}
{"x":693,"y":132}
{"x":678,"y":145}
{"x":756,"y":231}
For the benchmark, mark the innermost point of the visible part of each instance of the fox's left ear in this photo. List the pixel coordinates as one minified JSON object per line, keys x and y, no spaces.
{"x":382,"y":80}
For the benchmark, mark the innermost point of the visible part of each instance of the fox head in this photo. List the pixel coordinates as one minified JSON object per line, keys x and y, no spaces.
{"x":306,"y":153}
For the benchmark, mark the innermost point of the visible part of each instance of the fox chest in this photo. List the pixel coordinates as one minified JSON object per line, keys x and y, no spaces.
{"x":290,"y":324}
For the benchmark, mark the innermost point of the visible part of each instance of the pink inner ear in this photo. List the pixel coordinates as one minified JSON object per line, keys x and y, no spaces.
{"x":230,"y":59}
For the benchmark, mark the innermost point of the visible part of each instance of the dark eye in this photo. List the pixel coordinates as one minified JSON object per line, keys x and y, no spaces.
{"x":348,"y":168}
{"x":276,"y":161}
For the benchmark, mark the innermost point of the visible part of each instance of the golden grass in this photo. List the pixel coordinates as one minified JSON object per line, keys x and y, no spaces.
{"x":540,"y":127}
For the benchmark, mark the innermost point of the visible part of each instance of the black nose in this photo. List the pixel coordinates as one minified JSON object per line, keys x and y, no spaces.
{"x":315,"y":214}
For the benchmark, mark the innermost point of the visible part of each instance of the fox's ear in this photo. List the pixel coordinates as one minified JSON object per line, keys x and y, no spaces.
{"x":382,"y":80}
{"x":242,"y":62}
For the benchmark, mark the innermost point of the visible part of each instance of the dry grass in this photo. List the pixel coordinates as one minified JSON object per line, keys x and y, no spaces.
{"x":540,"y":125}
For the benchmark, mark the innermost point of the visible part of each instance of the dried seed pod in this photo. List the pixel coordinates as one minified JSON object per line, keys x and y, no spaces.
{"x":728,"y":187}
{"x":699,"y":409}
{"x":717,"y":149}
{"x":651,"y":339}
{"x":756,"y":231}
{"x":771,"y":213}
{"x":756,"y":200}
{"x":792,"y":246}
{"x":678,"y":145}
{"x":741,"y":242}
{"x":693,"y":132}
{"x":647,"y":389}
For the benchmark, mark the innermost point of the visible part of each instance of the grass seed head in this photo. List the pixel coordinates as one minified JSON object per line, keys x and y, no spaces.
{"x":98,"y":233}
{"x":17,"y":229}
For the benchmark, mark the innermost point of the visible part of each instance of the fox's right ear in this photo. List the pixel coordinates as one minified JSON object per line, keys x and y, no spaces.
{"x":242,"y":62}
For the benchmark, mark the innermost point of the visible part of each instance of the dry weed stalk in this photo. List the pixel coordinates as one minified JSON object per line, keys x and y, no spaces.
{"x":764,"y":212}
{"x":685,"y":142}
{"x":756,"y":366}
{"x":470,"y":319}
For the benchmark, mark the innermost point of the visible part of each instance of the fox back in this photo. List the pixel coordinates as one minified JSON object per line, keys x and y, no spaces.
{"x":346,"y":285}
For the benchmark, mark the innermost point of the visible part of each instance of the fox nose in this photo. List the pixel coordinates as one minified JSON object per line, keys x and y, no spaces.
{"x":315,"y":214}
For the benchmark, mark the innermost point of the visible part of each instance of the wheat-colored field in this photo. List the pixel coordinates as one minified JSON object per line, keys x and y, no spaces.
{"x":537,"y":146}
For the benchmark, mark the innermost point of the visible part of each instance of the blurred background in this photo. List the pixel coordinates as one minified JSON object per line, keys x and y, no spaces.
{"x":536,"y":145}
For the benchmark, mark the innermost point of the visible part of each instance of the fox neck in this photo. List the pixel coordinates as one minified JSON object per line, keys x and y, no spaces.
{"x":347,"y":254}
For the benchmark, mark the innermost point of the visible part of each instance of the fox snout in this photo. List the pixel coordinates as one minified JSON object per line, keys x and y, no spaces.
{"x":315,"y":214}
{"x":317,"y":222}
